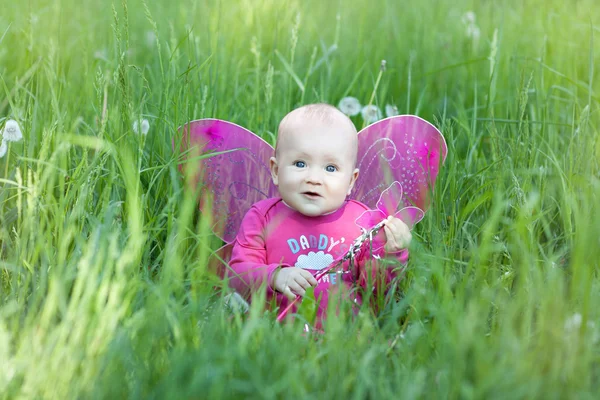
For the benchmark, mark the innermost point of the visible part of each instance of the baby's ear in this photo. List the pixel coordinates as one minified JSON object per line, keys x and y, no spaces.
{"x":274,"y":170}
{"x":353,"y":180}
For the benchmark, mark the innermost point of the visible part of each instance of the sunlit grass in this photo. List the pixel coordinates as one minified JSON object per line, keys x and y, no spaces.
{"x":103,"y":278}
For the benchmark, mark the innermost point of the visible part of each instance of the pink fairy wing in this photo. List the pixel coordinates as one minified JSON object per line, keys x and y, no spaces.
{"x":369,"y":219}
{"x":390,"y":199}
{"x":410,"y":216}
{"x":403,"y":148}
{"x":389,"y":202}
{"x":230,"y":182}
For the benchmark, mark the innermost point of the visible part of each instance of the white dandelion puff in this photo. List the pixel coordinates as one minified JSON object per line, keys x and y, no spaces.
{"x":573,"y":326}
{"x":349,"y":106}
{"x":371,"y":113}
{"x":7,"y":369}
{"x":3,"y":148}
{"x":391,"y":110}
{"x":101,"y":54}
{"x":473,"y":32}
{"x":468,"y":18}
{"x":573,"y":323}
{"x":141,"y":127}
{"x":11,"y":131}
{"x":150,"y":38}
{"x":235,"y":302}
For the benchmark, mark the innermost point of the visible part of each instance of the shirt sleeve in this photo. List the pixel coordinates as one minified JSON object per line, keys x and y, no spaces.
{"x":248,"y":265}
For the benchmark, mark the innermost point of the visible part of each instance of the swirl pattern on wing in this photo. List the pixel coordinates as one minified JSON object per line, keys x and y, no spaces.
{"x":230,"y":182}
{"x":403,"y":148}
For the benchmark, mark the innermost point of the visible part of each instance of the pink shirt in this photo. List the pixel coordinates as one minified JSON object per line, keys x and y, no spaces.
{"x":273,"y":235}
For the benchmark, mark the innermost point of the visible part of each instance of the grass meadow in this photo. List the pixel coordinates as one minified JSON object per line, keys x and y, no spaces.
{"x":104,"y":285}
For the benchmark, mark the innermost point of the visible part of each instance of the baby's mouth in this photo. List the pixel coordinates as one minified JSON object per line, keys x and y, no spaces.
{"x":311,"y":195}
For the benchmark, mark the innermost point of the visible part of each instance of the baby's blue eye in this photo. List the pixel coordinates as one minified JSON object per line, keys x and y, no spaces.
{"x":300,"y":164}
{"x":330,"y":168}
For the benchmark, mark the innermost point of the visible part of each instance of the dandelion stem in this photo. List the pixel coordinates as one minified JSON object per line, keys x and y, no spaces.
{"x":7,"y":160}
{"x":375,"y":88}
{"x":381,"y":70}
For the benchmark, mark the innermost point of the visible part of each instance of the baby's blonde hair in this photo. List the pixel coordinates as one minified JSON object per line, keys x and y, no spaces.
{"x":319,"y":111}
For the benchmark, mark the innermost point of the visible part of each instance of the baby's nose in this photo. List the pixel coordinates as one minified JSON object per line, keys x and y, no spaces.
{"x":314,"y":176}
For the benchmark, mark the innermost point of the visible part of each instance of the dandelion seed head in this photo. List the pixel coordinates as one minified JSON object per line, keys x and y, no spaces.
{"x":573,"y":322}
{"x":141,"y":127}
{"x":236,"y":303}
{"x":573,"y":326}
{"x":3,"y":149}
{"x":349,"y":106}
{"x":150,"y":38}
{"x":7,"y":369}
{"x":371,"y":113}
{"x":382,"y":66}
{"x":11,"y":131}
{"x":101,"y":54}
{"x":473,"y":32}
{"x":391,"y":110}
{"x":468,"y":18}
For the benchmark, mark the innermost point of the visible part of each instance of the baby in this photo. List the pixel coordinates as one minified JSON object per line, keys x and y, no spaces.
{"x":285,"y":241}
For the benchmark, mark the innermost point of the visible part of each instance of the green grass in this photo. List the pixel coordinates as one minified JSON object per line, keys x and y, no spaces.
{"x":104,"y":290}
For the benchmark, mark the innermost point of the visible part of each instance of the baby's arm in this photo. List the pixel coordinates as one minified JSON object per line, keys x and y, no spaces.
{"x":248,"y":264}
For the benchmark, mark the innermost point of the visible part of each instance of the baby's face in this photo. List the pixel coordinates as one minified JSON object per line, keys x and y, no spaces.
{"x":314,"y":167}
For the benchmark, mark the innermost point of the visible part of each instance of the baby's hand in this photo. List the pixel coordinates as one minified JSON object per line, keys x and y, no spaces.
{"x":397,"y":235}
{"x":292,"y":281}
